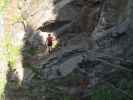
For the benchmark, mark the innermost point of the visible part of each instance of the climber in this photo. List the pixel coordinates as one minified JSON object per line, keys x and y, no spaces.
{"x":49,"y":43}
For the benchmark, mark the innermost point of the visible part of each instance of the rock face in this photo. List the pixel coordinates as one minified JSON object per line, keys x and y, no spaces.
{"x":95,"y":40}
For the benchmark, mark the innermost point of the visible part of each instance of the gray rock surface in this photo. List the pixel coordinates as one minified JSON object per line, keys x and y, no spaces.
{"x":95,"y":42}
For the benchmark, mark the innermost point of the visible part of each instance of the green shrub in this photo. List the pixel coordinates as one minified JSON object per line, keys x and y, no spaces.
{"x":2,"y":88}
{"x":31,"y":50}
{"x":106,"y":92}
{"x":3,"y":4}
{"x":102,"y":93}
{"x":12,"y":51}
{"x":67,"y":98}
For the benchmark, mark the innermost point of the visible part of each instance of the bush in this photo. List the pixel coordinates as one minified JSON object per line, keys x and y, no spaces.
{"x":2,"y":88}
{"x":12,"y":52}
{"x":3,"y":4}
{"x":102,"y":93}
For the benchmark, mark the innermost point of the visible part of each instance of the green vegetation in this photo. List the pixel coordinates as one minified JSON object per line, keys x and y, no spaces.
{"x":123,"y":90}
{"x":102,"y":93}
{"x":31,"y":50}
{"x":2,"y":88}
{"x":67,"y":98}
{"x":130,"y":88}
{"x":3,"y":4}
{"x":12,"y":51}
{"x":17,"y":18}
{"x":107,"y":92}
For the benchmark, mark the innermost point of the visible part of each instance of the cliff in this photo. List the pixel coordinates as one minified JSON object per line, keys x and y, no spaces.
{"x":92,"y":53}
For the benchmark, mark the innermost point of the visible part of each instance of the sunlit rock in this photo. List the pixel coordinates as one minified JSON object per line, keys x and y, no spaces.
{"x":18,"y":34}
